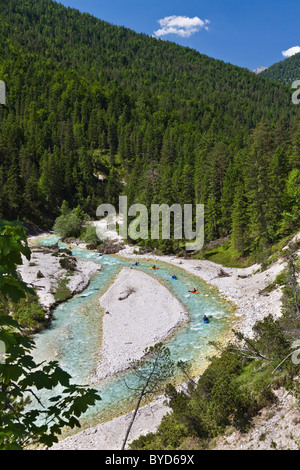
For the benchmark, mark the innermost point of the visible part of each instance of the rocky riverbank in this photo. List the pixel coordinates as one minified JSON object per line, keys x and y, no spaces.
{"x":55,"y":275}
{"x":246,"y":288}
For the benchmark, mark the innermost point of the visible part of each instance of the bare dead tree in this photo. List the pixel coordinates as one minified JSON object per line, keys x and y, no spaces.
{"x":125,"y":295}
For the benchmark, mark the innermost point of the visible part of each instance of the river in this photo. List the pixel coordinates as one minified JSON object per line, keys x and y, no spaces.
{"x":74,"y":338}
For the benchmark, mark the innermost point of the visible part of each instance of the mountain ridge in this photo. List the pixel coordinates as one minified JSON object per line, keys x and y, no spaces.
{"x":285,"y":71}
{"x":259,"y":69}
{"x":86,"y":98}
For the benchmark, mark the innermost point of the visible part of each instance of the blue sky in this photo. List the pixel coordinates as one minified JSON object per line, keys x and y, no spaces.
{"x":245,"y":33}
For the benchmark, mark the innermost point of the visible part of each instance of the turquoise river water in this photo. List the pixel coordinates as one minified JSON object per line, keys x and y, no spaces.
{"x":74,"y":338}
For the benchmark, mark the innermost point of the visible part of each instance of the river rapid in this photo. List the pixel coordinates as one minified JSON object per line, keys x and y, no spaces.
{"x":74,"y":338}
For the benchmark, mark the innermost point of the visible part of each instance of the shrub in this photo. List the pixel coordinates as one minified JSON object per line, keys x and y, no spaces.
{"x":68,"y":225}
{"x":90,"y":237}
{"x":29,"y":313}
{"x":62,"y":293}
{"x":68,"y":263}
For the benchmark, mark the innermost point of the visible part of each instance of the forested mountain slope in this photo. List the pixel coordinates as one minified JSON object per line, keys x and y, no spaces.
{"x":286,"y":71}
{"x":94,"y":110}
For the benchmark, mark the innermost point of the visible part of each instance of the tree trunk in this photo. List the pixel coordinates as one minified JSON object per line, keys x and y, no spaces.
{"x":132,"y":419}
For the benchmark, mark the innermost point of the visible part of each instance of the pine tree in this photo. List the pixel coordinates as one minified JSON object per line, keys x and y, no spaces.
{"x":257,"y":184}
{"x":239,"y":220}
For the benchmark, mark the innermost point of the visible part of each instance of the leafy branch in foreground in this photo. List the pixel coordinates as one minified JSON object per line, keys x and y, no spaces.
{"x":21,"y":378}
{"x":13,"y":245}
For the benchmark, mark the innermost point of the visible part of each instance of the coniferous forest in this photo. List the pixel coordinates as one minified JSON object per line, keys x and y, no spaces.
{"x":286,"y":71}
{"x":95,"y":110}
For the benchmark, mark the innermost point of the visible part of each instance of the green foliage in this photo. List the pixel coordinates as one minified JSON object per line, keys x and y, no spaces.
{"x":29,"y":313}
{"x":90,"y":237}
{"x":291,"y":218}
{"x":280,"y":280}
{"x":166,"y":247}
{"x":205,"y":411}
{"x":68,"y":262}
{"x":21,"y":378}
{"x":62,"y":292}
{"x":257,"y":379}
{"x":68,"y":225}
{"x":290,"y":322}
{"x":145,"y":442}
{"x":286,"y":71}
{"x":153,"y":370}
{"x":237,"y":383}
{"x":270,"y":339}
{"x":225,"y":255}
{"x":108,"y":111}
{"x":239,"y":221}
{"x":13,"y":244}
{"x":73,"y":224}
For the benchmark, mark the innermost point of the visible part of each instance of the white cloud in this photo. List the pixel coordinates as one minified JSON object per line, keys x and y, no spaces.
{"x":181,"y":25}
{"x":291,"y":51}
